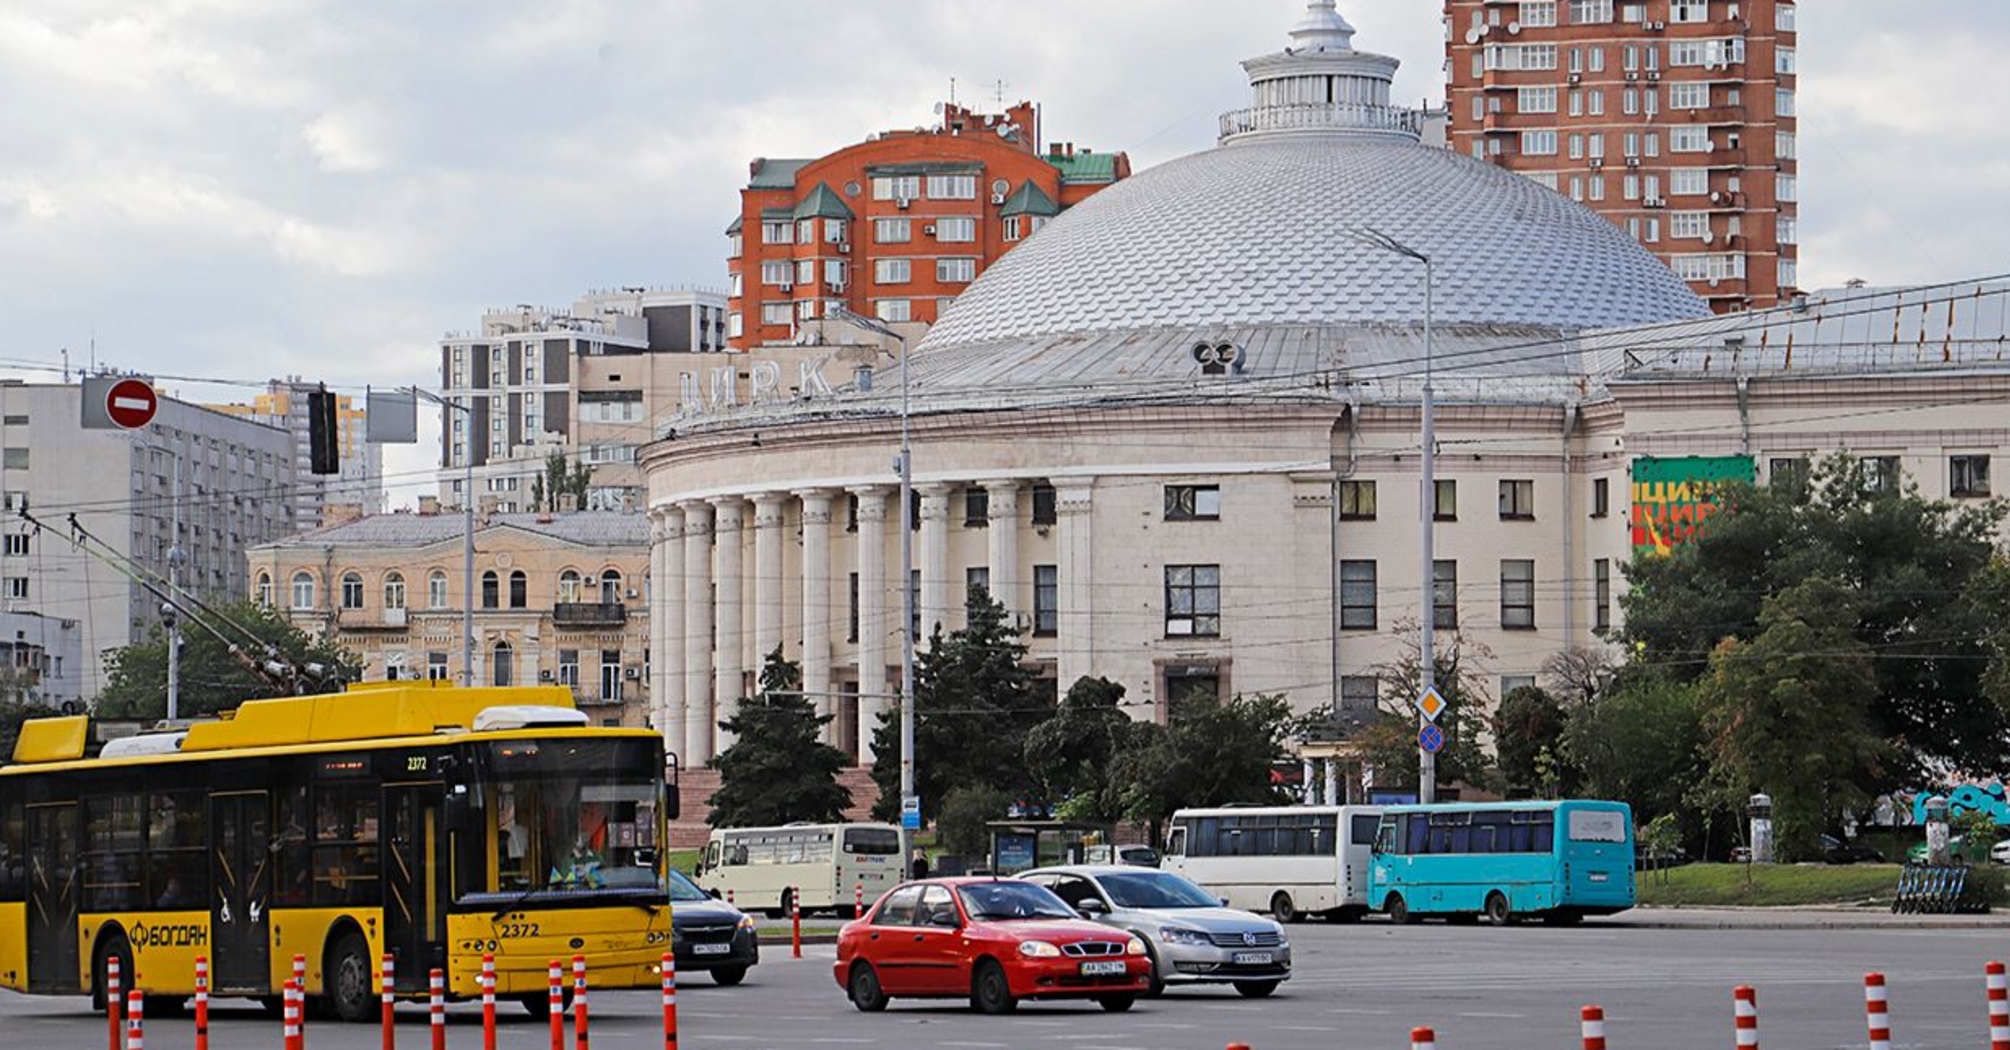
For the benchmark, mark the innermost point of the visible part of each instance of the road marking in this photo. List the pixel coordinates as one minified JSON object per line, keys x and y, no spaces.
{"x":1495,"y":1017}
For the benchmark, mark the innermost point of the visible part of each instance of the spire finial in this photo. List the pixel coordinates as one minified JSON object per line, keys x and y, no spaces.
{"x":1322,"y":29}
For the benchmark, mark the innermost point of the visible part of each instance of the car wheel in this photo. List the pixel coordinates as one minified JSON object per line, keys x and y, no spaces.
{"x":111,"y":947}
{"x":1282,"y":909}
{"x":866,"y":994}
{"x":1255,"y":989}
{"x":728,"y":976}
{"x":348,"y":974}
{"x":1158,"y":985}
{"x":990,"y":992}
{"x":1116,"y":1004}
{"x":538,"y":1004}
{"x":1398,"y":909}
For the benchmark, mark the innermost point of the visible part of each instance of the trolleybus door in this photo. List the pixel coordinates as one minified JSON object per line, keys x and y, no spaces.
{"x":415,"y":921}
{"x":241,"y":862}
{"x":52,"y":897}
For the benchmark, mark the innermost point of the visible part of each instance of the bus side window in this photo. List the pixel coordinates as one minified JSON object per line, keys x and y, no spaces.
{"x":711,"y":859}
{"x":13,"y":862}
{"x":1416,"y":834}
{"x":1176,"y":846}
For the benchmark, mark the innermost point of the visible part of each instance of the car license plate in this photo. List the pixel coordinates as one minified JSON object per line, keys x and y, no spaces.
{"x":711,"y":949}
{"x":1102,"y":969}
{"x":1599,"y":876}
{"x":1253,"y":958}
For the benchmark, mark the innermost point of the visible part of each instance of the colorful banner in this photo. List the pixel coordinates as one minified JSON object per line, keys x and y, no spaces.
{"x":1673,"y":497}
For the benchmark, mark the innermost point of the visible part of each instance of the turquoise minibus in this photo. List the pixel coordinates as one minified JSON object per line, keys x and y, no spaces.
{"x":1560,"y":861}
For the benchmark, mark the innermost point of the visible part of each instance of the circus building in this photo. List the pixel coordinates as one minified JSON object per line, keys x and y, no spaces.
{"x":1175,"y":433}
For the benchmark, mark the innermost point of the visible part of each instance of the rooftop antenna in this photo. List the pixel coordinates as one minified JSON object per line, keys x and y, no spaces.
{"x":1001,"y":96}
{"x":952,"y":91}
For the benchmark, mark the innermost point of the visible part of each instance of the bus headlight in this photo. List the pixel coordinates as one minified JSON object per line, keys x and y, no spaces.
{"x":1182,"y":935}
{"x":1038,"y":950}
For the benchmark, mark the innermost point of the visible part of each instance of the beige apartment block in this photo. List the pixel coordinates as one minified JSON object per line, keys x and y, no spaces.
{"x":558,"y":599}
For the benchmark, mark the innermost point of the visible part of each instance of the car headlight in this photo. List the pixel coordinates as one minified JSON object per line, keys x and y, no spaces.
{"x":1136,"y":947}
{"x":1038,"y":950}
{"x":747,"y":922}
{"x":1182,"y":935}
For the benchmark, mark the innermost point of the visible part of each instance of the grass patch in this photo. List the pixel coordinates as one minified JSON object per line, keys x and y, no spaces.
{"x":1768,"y":885}
{"x":685,"y":860}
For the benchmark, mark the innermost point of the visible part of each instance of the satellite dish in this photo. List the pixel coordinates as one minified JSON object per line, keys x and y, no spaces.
{"x":1473,"y":35}
{"x":1006,"y":131}
{"x":939,"y":109}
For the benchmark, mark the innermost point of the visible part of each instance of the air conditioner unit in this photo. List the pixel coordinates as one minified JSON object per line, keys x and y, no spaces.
{"x":631,"y":673}
{"x":1653,"y":76}
{"x":1656,"y":27}
{"x":1577,"y":78}
{"x":1633,"y":76}
{"x":997,"y":198}
{"x":1654,"y":202}
{"x":1598,"y":162}
{"x":544,"y":676}
{"x":633,"y":593}
{"x":902,"y":203}
{"x":787,"y":286}
{"x":1633,"y":162}
{"x":929,"y":229}
{"x":844,"y":248}
{"x":837,"y":287}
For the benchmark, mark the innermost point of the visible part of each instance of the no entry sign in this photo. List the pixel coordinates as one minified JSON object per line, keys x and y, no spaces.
{"x":131,"y":403}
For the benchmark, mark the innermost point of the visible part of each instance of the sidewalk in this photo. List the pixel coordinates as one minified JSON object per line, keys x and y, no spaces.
{"x":1834,"y":917}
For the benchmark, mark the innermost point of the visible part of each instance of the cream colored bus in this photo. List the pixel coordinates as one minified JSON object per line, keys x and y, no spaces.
{"x":822,"y":867}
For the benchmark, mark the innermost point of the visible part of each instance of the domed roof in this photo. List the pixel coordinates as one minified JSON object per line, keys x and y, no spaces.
{"x":1266,"y":233}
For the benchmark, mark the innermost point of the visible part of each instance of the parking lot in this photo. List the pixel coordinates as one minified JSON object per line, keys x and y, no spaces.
{"x":1482,"y":988}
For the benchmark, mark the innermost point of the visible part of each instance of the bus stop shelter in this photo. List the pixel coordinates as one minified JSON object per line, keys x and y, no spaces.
{"x":1022,"y":845}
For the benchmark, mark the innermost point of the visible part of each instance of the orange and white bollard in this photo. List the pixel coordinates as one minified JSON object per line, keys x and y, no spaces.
{"x":1877,"y":1009}
{"x":436,"y":989}
{"x":488,"y":1002}
{"x":1238,"y":1046}
{"x":1423,"y":1039}
{"x":858,"y":900}
{"x":1593,"y":1019}
{"x":1747,"y":1011}
{"x":201,"y":1002}
{"x":729,"y":898}
{"x":387,"y":984}
{"x":579,"y":1040}
{"x":114,"y":1003}
{"x":796,"y":925}
{"x":555,"y":1004}
{"x":289,"y":1016}
{"x":669,"y":1001}
{"x":1999,"y":1006}
{"x":300,"y":995}
{"x":136,"y":1008}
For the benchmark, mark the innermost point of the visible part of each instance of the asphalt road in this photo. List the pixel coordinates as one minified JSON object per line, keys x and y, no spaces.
{"x":1357,"y":986}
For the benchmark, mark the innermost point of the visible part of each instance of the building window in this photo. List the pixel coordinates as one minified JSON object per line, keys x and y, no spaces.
{"x":502,"y":668}
{"x":436,"y":667}
{"x":1590,"y":12}
{"x":1783,"y":102}
{"x":14,"y":458}
{"x":779,"y":232}
{"x":1357,"y":595}
{"x":976,"y":508}
{"x":1193,"y":601}
{"x":568,"y":668}
{"x":1601,"y":498}
{"x":976,"y":578}
{"x":1517,"y":500}
{"x":610,"y":587}
{"x":896,"y":187}
{"x":1357,"y":501}
{"x":17,"y":545}
{"x":1969,"y":477}
{"x":265,"y":590}
{"x":1787,"y":472}
{"x":303,"y":590}
{"x":1445,"y":595}
{"x":1689,"y":96}
{"x":1014,"y":228}
{"x":491,"y":590}
{"x":892,"y":271}
{"x":955,"y":229}
{"x":1536,"y":100}
{"x":1539,"y":142}
{"x":394,"y":591}
{"x":1359,"y":693}
{"x":1518,"y":595}
{"x":436,"y":590}
{"x":1789,"y":188}
{"x":955,"y":271}
{"x":610,"y":675}
{"x":1044,"y":505}
{"x":519,"y":589}
{"x":1601,"y":596}
{"x":893,"y":310}
{"x":17,"y":588}
{"x":851,"y":634}
{"x":1046,"y":600}
{"x":1884,"y":474}
{"x":952,"y":187}
{"x":1783,"y":18}
{"x":892,"y":231}
{"x":1193,"y":502}
{"x":1445,"y":500}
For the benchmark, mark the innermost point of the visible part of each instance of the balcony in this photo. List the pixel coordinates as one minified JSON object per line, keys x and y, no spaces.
{"x":371,"y":620}
{"x":1716,"y":115}
{"x":1362,"y":117}
{"x":589,"y":614}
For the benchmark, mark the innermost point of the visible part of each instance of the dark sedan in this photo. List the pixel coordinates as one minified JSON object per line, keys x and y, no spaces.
{"x":710,"y":935}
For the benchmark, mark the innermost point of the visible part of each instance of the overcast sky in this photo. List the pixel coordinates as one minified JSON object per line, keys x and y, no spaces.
{"x":244,"y":188}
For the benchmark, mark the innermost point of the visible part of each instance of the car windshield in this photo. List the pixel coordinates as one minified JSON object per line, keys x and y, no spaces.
{"x":1155,"y":890}
{"x":1004,"y":901}
{"x":682,"y":889}
{"x":572,"y":814}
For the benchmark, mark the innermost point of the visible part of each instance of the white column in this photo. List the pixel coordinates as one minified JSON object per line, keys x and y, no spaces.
{"x":698,"y":722}
{"x":817,"y":608}
{"x":1003,"y":511}
{"x":935,"y":604}
{"x":728,"y":559}
{"x":1308,"y":792}
{"x":770,"y":521}
{"x":666,"y":629}
{"x":874,"y":633}
{"x":1076,"y":639}
{"x":1333,"y":795}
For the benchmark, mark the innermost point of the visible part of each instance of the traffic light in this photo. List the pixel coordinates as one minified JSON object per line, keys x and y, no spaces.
{"x":324,"y":441}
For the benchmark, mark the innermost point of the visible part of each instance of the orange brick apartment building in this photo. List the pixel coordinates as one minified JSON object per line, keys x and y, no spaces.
{"x":898,"y":225}
{"x":1673,"y":118}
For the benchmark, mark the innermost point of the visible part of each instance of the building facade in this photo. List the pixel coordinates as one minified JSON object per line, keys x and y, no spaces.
{"x":897,"y":226}
{"x":359,"y":487}
{"x":558,"y":599}
{"x":1673,"y":118}
{"x":42,"y":660}
{"x":237,"y":484}
{"x":589,"y":382}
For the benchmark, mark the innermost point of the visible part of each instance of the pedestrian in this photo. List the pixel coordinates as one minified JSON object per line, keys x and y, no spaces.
{"x":920,"y":864}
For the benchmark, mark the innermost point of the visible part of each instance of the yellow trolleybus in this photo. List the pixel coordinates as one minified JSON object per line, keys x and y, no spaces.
{"x":435,"y":824}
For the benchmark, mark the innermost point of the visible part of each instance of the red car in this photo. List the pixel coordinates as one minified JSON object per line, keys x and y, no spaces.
{"x":995,"y":941}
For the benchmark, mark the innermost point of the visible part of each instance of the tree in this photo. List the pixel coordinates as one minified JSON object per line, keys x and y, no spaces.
{"x":963,"y":821}
{"x":1210,"y":755}
{"x":1389,"y":743}
{"x":560,"y":479}
{"x":1788,"y":714}
{"x":974,"y":702}
{"x":212,"y":679}
{"x":1578,"y":675}
{"x":1070,"y":755}
{"x":1642,"y":745}
{"x":1528,"y":735}
{"x":778,"y":770}
{"x":1905,"y":565}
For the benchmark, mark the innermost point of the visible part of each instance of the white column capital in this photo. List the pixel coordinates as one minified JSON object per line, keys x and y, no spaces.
{"x":871,"y":501}
{"x":816,"y":505}
{"x":770,"y":510}
{"x":697,"y":517}
{"x":935,"y":499}
{"x":728,"y":512}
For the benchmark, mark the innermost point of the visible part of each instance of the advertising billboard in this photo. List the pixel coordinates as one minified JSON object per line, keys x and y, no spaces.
{"x":1673,"y":497}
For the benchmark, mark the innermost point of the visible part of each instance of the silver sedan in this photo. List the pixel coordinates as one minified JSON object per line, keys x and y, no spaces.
{"x":1191,"y":937}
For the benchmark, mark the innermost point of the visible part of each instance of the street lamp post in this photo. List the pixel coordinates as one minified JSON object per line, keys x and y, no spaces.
{"x":170,"y":617}
{"x":905,"y":463}
{"x":467,"y":532}
{"x":1427,"y":668}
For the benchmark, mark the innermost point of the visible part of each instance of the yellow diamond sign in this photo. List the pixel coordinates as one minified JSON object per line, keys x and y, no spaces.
{"x":1431,"y":704}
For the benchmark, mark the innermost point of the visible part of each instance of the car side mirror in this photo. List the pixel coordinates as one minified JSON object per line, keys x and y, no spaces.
{"x":1223,"y":900}
{"x":945,"y":920}
{"x":1092,"y":907}
{"x":714,"y":893}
